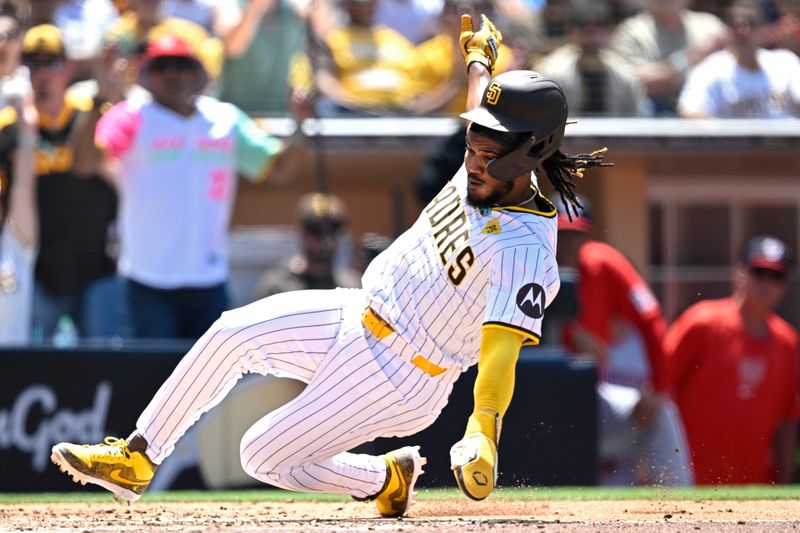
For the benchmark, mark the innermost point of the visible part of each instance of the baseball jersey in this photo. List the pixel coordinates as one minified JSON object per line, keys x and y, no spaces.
{"x":732,"y":390}
{"x":720,"y":87}
{"x":459,"y":268}
{"x":73,"y":240}
{"x":178,"y":186}
{"x":610,"y":287}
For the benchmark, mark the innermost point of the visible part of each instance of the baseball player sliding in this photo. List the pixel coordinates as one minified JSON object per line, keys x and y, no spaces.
{"x":467,"y":283}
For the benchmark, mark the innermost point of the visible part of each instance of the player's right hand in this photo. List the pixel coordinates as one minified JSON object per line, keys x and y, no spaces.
{"x":473,"y":460}
{"x":480,"y":46}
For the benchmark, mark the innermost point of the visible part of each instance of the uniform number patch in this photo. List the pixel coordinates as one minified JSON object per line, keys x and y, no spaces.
{"x":531,"y":300}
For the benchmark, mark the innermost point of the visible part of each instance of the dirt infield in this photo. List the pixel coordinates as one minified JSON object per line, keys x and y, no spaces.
{"x":428,"y":515}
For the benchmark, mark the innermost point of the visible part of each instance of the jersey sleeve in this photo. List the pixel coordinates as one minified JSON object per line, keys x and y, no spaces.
{"x":652,"y":327}
{"x":609,"y":285}
{"x":524,"y":281}
{"x":117,"y":129}
{"x":256,"y":151}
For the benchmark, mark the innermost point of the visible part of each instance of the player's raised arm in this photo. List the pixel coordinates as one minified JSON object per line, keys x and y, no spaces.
{"x":479,"y":49}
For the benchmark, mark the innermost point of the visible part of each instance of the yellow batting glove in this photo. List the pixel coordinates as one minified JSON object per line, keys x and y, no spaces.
{"x":479,"y":46}
{"x":473,"y":459}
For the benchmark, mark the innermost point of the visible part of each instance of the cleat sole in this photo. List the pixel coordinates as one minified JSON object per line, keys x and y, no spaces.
{"x":79,"y":477}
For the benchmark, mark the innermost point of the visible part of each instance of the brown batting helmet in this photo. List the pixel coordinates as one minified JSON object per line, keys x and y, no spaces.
{"x":525,"y":102}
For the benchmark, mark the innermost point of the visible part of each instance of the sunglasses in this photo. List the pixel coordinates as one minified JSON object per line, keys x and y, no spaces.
{"x":322,"y":229}
{"x":162,"y":64}
{"x":35,"y":64}
{"x":768,"y":274}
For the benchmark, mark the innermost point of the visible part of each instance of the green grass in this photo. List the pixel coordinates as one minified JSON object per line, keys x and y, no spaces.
{"x":526,"y":494}
{"x":752,"y":492}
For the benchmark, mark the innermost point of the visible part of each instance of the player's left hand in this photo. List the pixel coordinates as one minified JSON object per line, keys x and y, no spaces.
{"x":473,"y":460}
{"x":480,"y":46}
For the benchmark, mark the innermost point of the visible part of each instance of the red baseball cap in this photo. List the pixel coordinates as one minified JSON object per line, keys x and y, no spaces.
{"x":169,"y":45}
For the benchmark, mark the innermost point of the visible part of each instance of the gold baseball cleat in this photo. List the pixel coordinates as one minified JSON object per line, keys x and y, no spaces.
{"x":403,"y":467}
{"x":112,"y":465}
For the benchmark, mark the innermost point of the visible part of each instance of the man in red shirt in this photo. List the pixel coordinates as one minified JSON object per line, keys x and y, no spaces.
{"x":733,"y":364}
{"x":618,"y":322}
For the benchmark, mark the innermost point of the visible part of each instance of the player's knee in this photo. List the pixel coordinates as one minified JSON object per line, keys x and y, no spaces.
{"x":258,"y":459}
{"x":249,"y":466}
{"x":248,"y":458}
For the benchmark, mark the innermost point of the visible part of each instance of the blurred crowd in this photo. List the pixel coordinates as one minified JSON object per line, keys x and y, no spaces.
{"x":117,"y":180}
{"x":702,"y":58}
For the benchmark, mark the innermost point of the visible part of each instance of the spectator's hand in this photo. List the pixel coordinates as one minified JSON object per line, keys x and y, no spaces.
{"x":301,"y":103}
{"x":15,"y":91}
{"x":110,"y":71}
{"x":26,"y":110}
{"x":646,"y":411}
{"x":30,"y":115}
{"x":479,"y":46}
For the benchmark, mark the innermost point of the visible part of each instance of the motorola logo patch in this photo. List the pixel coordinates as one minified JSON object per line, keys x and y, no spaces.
{"x":531,"y":300}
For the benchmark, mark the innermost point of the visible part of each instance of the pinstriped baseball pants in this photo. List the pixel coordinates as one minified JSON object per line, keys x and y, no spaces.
{"x":359,"y":388}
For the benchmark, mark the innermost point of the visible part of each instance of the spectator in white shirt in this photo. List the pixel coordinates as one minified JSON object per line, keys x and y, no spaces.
{"x":744,"y":80}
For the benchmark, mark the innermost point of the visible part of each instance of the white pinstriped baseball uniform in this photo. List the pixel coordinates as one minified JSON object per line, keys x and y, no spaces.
{"x":384,"y":372}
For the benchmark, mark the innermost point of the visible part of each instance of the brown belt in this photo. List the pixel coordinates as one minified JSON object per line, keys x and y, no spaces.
{"x":381,"y":329}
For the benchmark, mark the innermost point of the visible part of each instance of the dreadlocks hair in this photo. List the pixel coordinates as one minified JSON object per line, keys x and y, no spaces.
{"x":562,"y":169}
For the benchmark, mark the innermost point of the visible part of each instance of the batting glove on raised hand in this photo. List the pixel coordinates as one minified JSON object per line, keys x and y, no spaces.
{"x":479,"y":46}
{"x":473,"y":459}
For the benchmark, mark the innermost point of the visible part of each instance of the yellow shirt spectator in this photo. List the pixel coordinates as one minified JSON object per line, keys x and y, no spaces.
{"x":373,"y":66}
